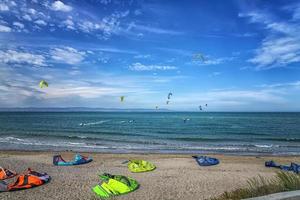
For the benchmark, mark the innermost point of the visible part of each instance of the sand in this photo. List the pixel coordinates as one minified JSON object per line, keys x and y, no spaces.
{"x":176,"y":176}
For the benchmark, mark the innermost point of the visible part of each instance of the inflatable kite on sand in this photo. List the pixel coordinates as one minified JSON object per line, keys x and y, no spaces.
{"x":6,"y":173}
{"x":206,"y":161}
{"x":293,"y":166}
{"x":78,"y":160}
{"x":114,"y":185}
{"x":26,"y":180}
{"x":140,"y":166}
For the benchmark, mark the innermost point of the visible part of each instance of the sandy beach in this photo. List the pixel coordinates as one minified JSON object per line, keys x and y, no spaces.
{"x":176,"y":176}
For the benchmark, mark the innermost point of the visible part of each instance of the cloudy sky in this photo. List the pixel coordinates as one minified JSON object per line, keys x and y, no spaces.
{"x":91,"y":52}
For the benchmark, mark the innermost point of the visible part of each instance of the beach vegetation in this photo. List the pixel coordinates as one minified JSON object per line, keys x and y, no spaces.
{"x":260,"y":186}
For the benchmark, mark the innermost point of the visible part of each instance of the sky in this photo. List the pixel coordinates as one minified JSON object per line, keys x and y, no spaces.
{"x":242,"y":55}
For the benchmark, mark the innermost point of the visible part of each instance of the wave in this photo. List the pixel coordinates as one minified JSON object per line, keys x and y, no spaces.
{"x":93,"y":123}
{"x":17,"y":143}
{"x":282,"y":139}
{"x":264,"y":145}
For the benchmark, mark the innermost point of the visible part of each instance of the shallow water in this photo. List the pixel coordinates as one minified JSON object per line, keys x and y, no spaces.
{"x":236,"y":133}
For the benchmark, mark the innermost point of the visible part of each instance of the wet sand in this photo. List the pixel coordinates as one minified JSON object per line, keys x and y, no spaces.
{"x":176,"y":176}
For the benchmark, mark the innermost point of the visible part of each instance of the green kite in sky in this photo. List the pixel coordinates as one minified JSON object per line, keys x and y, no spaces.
{"x":43,"y":84}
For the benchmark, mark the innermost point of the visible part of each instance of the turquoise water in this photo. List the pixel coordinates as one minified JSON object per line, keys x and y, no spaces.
{"x":235,"y":133}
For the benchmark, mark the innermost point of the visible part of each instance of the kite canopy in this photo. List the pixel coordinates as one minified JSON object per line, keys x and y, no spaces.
{"x":78,"y":160}
{"x":114,"y":185}
{"x":6,"y":173}
{"x":140,"y":166}
{"x":293,"y":167}
{"x":27,"y":180}
{"x":199,"y":56}
{"x":43,"y":84}
{"x":122,"y":98}
{"x":206,"y":161}
{"x":169,"y":95}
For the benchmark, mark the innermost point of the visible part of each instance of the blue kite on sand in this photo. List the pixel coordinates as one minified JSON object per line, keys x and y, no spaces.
{"x":78,"y":160}
{"x":293,"y":167}
{"x":206,"y":161}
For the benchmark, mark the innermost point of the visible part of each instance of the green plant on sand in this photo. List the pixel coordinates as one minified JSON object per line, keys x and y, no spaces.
{"x":260,"y":186}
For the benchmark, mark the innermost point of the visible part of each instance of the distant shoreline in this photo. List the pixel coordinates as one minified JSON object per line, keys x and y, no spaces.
{"x":4,"y":110}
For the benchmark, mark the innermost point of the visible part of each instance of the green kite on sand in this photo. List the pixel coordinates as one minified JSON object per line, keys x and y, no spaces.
{"x":43,"y":84}
{"x":114,"y":185}
{"x":140,"y":166}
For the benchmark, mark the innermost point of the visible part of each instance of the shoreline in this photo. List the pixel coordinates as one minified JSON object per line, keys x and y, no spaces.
{"x":237,"y":154}
{"x":177,"y":176}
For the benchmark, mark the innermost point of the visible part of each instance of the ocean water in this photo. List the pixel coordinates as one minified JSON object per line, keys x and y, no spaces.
{"x":154,"y":132}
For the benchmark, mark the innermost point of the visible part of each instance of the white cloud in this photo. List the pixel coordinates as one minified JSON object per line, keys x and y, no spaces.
{"x":282,"y":44}
{"x":69,"y":24}
{"x":208,"y":60}
{"x":4,"y":7}
{"x":40,"y":22}
{"x":74,"y":72}
{"x":15,"y":57}
{"x":142,"y":56}
{"x":27,"y":17}
{"x":156,"y":30}
{"x":4,"y":28}
{"x":105,"y":2}
{"x":215,"y":74}
{"x":31,"y":11}
{"x":141,"y":67}
{"x":295,"y":84}
{"x":60,"y":6}
{"x":277,"y":52}
{"x":67,"y":55}
{"x":18,"y":24}
{"x":235,"y":100}
{"x":101,"y":25}
{"x":108,"y":25}
{"x":296,"y":15}
{"x":137,"y":12}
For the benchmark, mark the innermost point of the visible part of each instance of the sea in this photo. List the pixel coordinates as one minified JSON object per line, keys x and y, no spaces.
{"x":243,"y":133}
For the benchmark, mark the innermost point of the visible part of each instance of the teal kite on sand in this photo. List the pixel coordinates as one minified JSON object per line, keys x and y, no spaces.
{"x":114,"y":185}
{"x":78,"y":160}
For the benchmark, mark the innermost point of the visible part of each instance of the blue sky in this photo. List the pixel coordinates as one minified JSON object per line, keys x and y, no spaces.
{"x":94,"y":51}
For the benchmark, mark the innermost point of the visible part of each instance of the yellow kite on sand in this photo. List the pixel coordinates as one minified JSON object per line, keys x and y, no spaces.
{"x":140,"y":166}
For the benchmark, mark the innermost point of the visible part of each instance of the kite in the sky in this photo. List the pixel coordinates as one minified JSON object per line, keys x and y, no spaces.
{"x":43,"y":84}
{"x":167,"y":102}
{"x":122,"y":98}
{"x":185,"y":120}
{"x":200,"y":107}
{"x":169,"y":95}
{"x":199,"y":57}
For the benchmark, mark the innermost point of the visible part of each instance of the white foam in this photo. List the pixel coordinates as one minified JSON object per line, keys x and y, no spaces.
{"x":93,"y":123}
{"x":264,"y":145}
